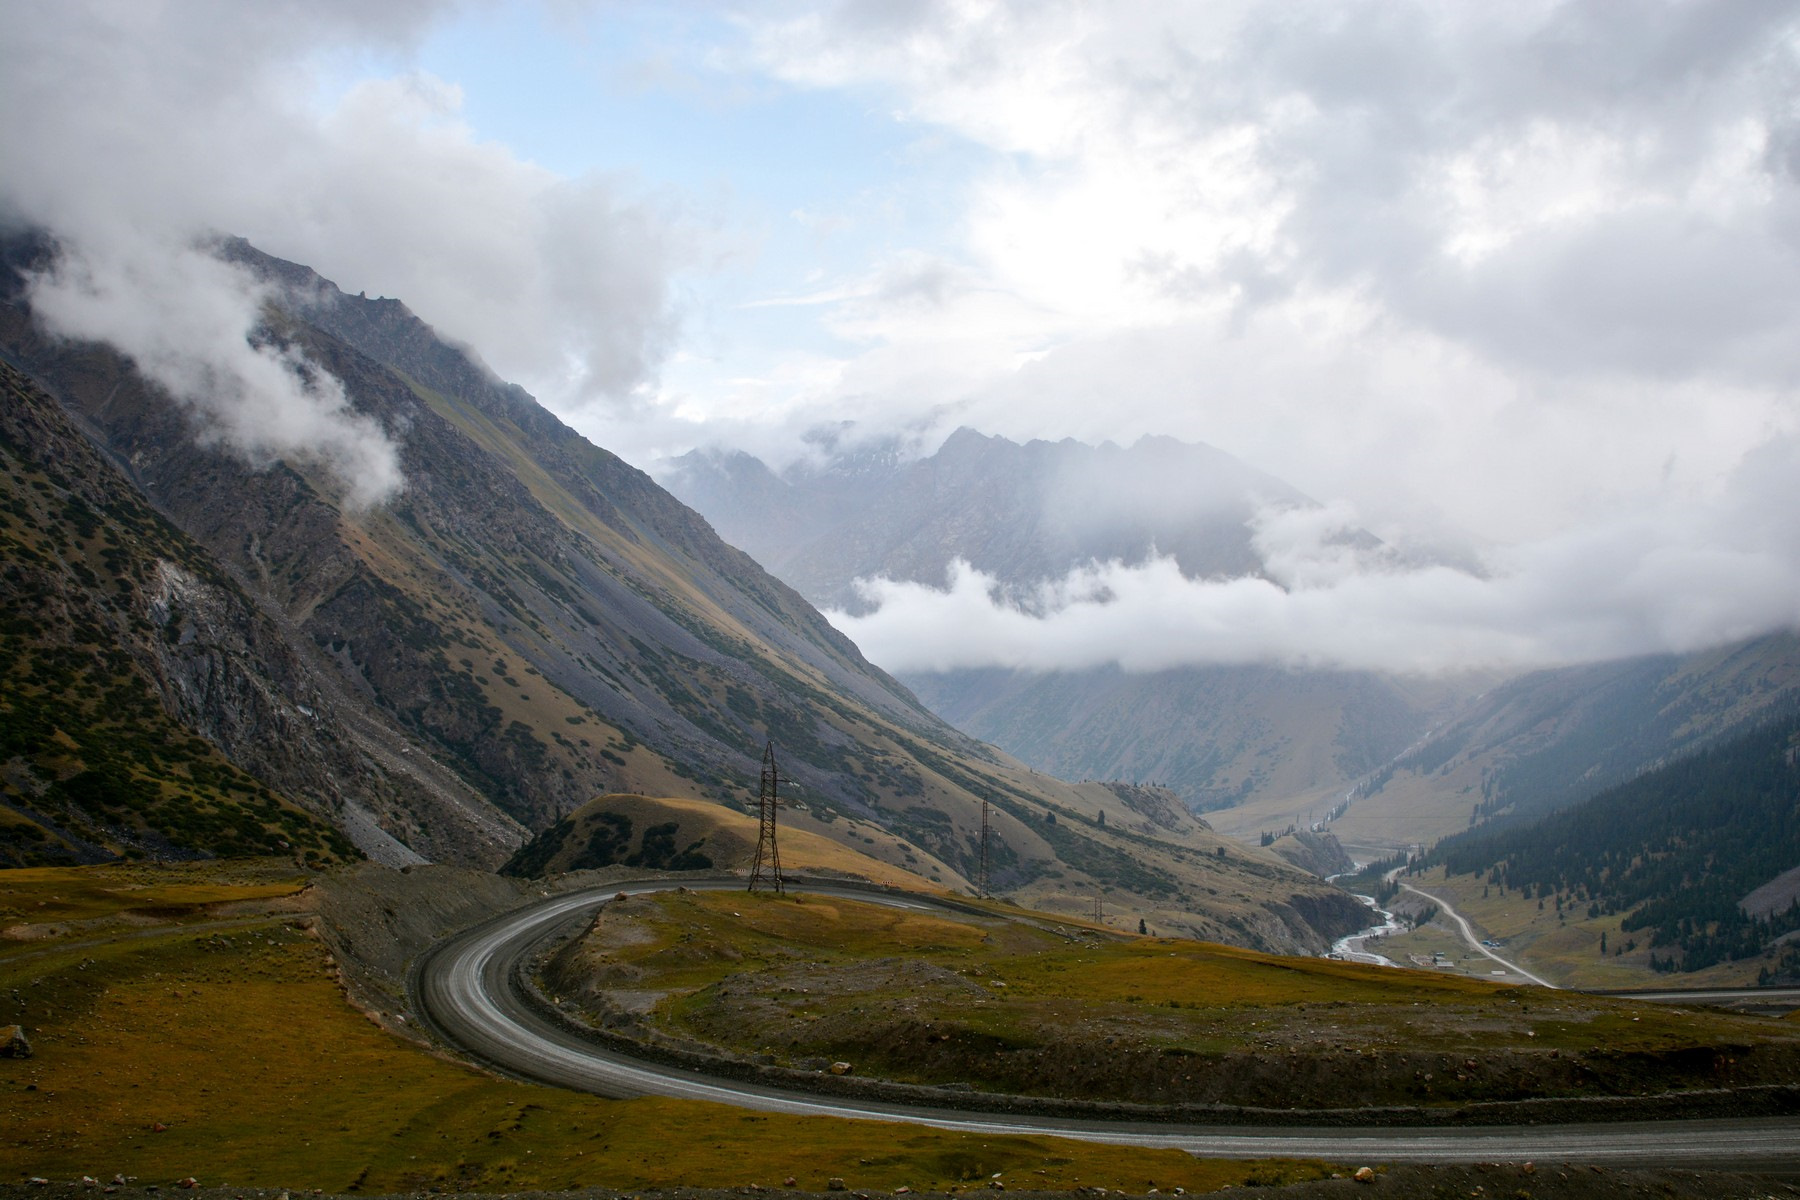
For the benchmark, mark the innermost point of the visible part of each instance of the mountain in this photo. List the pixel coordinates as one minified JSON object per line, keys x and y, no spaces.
{"x":530,"y":623}
{"x":1701,"y":855}
{"x":1383,"y":761}
{"x":1023,"y":513}
{"x":117,"y":629}
{"x":1220,"y":737}
{"x":1552,"y":738}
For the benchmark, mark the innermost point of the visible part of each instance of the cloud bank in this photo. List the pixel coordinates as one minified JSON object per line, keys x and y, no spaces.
{"x":1530,"y":272}
{"x":1527,"y":271}
{"x":1423,"y":256}
{"x":1639,"y":583}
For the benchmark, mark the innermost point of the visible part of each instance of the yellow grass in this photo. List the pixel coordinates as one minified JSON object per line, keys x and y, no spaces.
{"x":239,"y":1044}
{"x":716,"y":934}
{"x":1039,"y":989}
{"x":56,"y":894}
{"x":731,"y":839}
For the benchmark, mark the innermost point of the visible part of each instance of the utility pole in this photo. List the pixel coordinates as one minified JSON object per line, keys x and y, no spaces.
{"x":766,"y":868}
{"x":1099,"y":911}
{"x":984,"y":844}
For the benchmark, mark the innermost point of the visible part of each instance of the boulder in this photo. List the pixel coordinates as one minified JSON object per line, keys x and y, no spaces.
{"x":13,"y":1043}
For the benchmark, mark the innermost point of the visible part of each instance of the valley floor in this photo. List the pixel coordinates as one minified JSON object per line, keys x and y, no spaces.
{"x":1564,"y":946}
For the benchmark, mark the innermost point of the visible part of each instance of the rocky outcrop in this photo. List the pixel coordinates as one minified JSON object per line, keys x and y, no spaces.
{"x":13,"y":1042}
{"x":1317,"y":853}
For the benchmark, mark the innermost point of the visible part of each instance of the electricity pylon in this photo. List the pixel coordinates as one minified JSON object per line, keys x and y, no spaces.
{"x":767,"y":866}
{"x":984,"y":845}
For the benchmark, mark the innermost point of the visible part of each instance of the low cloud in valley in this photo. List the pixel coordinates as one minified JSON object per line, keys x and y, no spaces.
{"x":1640,"y":582}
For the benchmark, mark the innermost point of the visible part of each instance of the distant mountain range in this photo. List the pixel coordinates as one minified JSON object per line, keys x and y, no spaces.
{"x":1384,"y":760}
{"x":1022,"y":513}
{"x":1218,"y":736}
{"x":206,"y":656}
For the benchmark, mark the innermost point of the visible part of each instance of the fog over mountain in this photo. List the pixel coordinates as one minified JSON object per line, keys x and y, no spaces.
{"x":1084,"y":646}
{"x":1000,"y":531}
{"x":1064,"y":557}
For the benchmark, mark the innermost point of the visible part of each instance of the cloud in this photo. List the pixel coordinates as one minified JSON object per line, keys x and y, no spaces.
{"x":1640,"y":583}
{"x":137,"y":131}
{"x":191,"y":323}
{"x":1471,"y":244}
{"x":562,"y":283}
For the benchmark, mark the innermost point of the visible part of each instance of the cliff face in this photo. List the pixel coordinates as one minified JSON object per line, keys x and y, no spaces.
{"x":531,"y":622}
{"x":122,"y":641}
{"x":1320,"y":853}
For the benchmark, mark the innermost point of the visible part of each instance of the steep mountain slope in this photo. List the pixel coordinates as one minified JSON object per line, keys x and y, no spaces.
{"x":116,"y":630}
{"x":1219,"y":736}
{"x":532,"y":622}
{"x":1701,"y":855}
{"x":1552,"y":738}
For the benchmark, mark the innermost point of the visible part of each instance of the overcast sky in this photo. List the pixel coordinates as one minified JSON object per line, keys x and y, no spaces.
{"x":1525,"y":275}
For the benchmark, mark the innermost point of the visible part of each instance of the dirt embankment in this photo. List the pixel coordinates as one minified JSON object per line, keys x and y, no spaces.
{"x":377,"y":919}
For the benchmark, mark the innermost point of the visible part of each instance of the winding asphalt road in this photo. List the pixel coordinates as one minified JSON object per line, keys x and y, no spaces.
{"x":464,"y":988}
{"x":1468,"y":932}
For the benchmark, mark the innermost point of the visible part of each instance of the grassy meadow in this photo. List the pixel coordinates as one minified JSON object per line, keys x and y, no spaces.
{"x":1038,"y":1009}
{"x":184,"y":1025}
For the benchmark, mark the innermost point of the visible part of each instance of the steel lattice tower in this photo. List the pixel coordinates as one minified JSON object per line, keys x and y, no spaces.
{"x":984,"y":845}
{"x":767,"y":866}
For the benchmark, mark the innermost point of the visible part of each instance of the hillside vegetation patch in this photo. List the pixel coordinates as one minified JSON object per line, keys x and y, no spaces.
{"x":220,"y":1046}
{"x":996,"y":1005}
